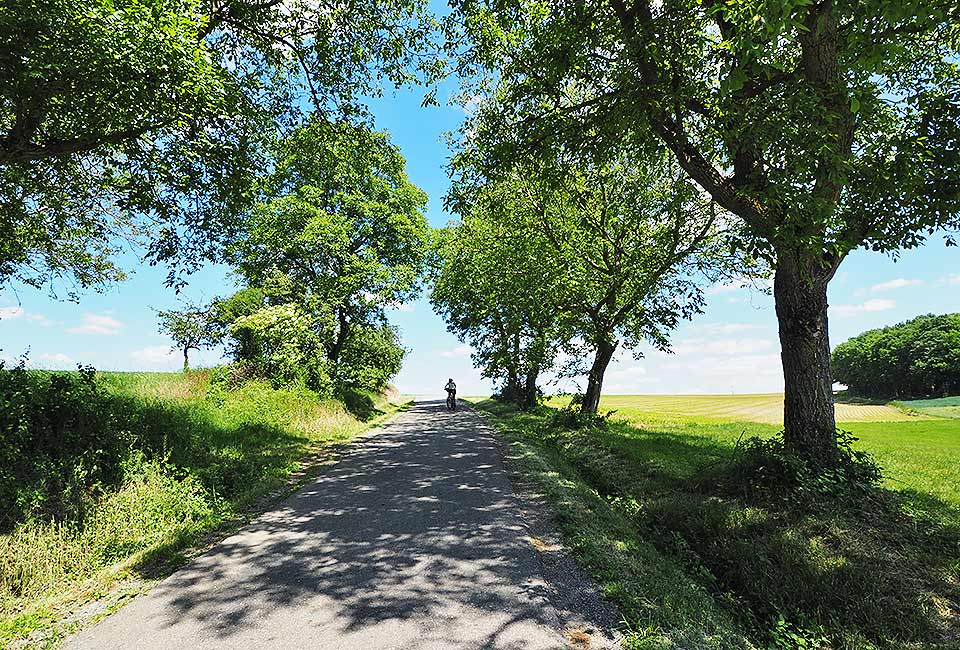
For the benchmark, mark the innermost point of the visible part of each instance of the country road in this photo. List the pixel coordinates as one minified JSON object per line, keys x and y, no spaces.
{"x":414,"y":540}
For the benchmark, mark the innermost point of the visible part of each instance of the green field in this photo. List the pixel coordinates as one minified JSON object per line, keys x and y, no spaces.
{"x":764,"y":407}
{"x":945,"y":407}
{"x":919,"y":453}
{"x":653,"y":505}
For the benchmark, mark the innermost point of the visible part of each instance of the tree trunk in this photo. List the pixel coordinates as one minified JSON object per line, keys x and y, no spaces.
{"x":186,"y":359}
{"x":591,"y":398}
{"x":801,"y":302}
{"x":529,"y":397}
{"x":342,"y":332}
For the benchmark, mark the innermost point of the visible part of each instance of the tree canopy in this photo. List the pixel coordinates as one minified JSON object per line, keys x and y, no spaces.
{"x":917,"y":358}
{"x":492,"y":282}
{"x":585,"y":256}
{"x":339,"y":238}
{"x":823,"y":126}
{"x":148,"y":120}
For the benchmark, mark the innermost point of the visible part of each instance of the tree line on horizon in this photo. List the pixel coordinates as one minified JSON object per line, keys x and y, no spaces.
{"x":619,"y":155}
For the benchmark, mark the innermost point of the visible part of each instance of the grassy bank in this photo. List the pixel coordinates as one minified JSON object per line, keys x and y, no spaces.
{"x":110,"y":476}
{"x":646,"y":503}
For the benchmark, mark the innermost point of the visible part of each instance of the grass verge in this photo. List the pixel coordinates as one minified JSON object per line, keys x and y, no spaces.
{"x":119,"y":478}
{"x":646,"y":509}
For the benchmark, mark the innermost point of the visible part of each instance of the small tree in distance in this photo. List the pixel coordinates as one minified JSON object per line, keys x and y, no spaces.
{"x":192,"y":328}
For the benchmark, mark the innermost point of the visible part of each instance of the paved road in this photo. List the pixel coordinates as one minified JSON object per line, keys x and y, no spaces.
{"x":414,"y":540}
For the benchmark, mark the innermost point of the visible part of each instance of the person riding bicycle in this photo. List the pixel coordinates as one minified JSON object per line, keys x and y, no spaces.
{"x":451,"y":389}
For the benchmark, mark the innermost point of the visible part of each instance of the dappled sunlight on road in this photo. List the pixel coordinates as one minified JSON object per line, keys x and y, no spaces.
{"x":413,"y":540}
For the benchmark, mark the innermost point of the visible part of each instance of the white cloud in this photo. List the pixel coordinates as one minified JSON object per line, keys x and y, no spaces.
{"x":7,"y":313}
{"x":898,"y":283}
{"x":97,"y":324}
{"x":872,"y":305}
{"x":153,"y":355}
{"x":401,"y":306}
{"x":714,"y":329}
{"x":721,"y":347}
{"x":39,"y":319}
{"x":630,"y":372}
{"x":55,"y":361}
{"x":459,"y":351}
{"x":735,"y":368}
{"x":953,"y":279}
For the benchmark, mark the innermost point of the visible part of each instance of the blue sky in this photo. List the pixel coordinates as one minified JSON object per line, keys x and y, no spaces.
{"x":732,"y":347}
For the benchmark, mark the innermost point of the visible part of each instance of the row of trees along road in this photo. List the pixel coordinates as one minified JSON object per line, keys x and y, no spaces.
{"x":338,"y":236}
{"x":917,"y":358}
{"x":151,"y":120}
{"x":576,"y":257}
{"x":821,"y":126}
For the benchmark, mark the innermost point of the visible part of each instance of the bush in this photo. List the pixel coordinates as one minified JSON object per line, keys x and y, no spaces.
{"x":371,"y":357}
{"x":279,"y":344}
{"x":763,"y":468}
{"x":59,"y":442}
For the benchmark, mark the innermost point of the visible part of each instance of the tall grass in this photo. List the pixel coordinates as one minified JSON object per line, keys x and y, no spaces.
{"x":120,"y":470}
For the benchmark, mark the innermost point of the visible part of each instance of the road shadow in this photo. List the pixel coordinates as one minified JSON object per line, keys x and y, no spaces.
{"x":412,"y":540}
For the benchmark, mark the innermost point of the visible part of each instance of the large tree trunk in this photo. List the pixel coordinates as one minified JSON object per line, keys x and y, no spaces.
{"x":186,"y":359}
{"x":591,"y":398}
{"x":800,"y":291}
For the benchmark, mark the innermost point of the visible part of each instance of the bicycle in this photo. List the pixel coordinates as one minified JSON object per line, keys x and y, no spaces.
{"x":451,"y":401}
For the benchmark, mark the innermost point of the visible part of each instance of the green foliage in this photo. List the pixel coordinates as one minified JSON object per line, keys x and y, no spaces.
{"x":764,"y":469}
{"x":191,"y":328}
{"x":150,"y":119}
{"x":566,"y":248}
{"x":280,"y":344}
{"x":371,"y":357}
{"x":490,"y":283}
{"x":340,"y":238}
{"x":55,"y":444}
{"x":916,"y":358}
{"x":822,"y":127}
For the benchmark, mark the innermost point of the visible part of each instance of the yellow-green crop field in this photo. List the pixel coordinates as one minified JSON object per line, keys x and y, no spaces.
{"x":766,"y":408}
{"x":918,"y":448}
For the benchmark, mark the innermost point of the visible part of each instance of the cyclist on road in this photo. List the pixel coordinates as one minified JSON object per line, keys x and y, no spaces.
{"x":451,"y":389}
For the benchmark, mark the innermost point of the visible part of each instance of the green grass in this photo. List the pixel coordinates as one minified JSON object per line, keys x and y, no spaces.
{"x":879,"y":570}
{"x":195,"y":459}
{"x":944,"y":407}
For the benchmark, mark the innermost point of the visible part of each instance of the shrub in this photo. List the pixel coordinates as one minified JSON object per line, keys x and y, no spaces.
{"x":764,"y":468}
{"x":278,"y":343}
{"x":59,"y":442}
{"x":371,"y":357}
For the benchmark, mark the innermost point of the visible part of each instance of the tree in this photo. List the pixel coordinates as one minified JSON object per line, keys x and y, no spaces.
{"x":615,"y":249}
{"x":490,"y":283}
{"x":191,"y":328}
{"x":372,"y":357}
{"x":823,"y":126}
{"x":341,"y":235}
{"x":916,"y":358}
{"x":147,"y":119}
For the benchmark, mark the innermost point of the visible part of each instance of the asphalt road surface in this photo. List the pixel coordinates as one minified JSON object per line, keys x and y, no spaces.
{"x":414,"y":540}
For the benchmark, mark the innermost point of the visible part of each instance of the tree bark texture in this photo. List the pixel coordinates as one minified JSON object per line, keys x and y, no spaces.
{"x":801,"y":303}
{"x":591,"y":398}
